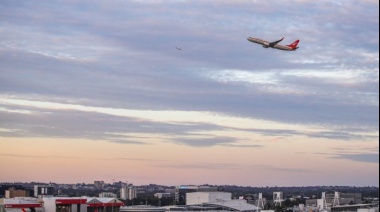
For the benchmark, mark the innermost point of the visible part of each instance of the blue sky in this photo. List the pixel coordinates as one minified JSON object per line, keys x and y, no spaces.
{"x":107,"y":74}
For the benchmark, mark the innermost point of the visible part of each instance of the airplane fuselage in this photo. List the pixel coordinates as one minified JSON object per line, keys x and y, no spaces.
{"x":274,"y":45}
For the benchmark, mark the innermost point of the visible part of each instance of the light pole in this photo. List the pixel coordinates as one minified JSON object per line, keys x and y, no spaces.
{"x":94,"y":204}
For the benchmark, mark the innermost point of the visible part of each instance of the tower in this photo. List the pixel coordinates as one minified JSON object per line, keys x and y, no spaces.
{"x":277,"y":198}
{"x":336,"y":199}
{"x":260,"y":201}
{"x":324,"y":204}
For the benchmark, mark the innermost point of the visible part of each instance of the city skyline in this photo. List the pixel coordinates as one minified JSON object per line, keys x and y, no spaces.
{"x":97,"y":89}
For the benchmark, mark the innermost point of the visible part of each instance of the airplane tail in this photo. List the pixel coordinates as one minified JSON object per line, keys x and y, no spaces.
{"x":294,"y":44}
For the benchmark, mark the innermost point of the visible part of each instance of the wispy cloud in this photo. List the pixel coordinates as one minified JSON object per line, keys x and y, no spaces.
{"x":366,"y":153}
{"x":201,"y":165}
{"x":366,"y":158}
{"x":75,"y":158}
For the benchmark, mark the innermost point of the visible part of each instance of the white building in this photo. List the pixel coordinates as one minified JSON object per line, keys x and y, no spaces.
{"x":43,"y":190}
{"x":196,"y":198}
{"x":65,"y":204}
{"x":128,"y":193}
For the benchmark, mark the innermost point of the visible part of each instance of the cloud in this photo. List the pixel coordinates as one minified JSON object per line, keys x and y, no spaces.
{"x":365,"y":153}
{"x":71,"y":157}
{"x":365,"y":158}
{"x":213,"y":141}
{"x":201,"y":166}
{"x":127,"y":142}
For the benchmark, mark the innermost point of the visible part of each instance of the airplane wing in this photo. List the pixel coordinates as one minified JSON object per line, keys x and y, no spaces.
{"x":275,"y":42}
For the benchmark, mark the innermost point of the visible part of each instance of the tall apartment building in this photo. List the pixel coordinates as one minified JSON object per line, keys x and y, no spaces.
{"x":99,"y":184}
{"x":128,"y":193}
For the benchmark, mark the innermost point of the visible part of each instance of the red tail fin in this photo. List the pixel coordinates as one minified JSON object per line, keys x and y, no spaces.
{"x":294,"y":44}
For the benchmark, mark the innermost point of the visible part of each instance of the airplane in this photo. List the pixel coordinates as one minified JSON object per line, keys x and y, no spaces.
{"x":179,"y":49}
{"x":275,"y":45}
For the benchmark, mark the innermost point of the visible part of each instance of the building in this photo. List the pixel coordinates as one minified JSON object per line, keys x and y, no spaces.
{"x":43,"y":190}
{"x":95,"y":204}
{"x":180,"y":192}
{"x":64,"y":204}
{"x":21,"y":204}
{"x":197,"y":198}
{"x":346,"y":198}
{"x":128,"y":193}
{"x":12,"y":193}
{"x":336,"y":199}
{"x":99,"y":184}
{"x":216,"y":201}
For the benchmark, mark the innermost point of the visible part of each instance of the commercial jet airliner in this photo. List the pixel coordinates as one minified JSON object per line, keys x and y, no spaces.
{"x":275,"y":45}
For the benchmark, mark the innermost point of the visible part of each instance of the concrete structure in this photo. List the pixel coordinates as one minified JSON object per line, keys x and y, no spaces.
{"x":197,"y":198}
{"x":322,"y":203}
{"x":21,"y":204}
{"x":336,"y":199}
{"x":261,"y":202}
{"x":12,"y":193}
{"x":278,"y":198}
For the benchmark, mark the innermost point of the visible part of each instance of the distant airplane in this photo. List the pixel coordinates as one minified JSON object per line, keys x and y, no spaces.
{"x":179,"y":49}
{"x":275,"y":45}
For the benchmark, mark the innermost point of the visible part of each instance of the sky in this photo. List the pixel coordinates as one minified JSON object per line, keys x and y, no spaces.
{"x":97,"y":90}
